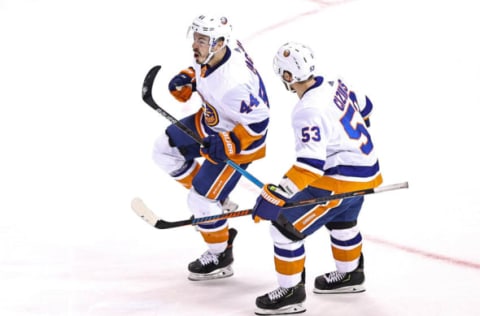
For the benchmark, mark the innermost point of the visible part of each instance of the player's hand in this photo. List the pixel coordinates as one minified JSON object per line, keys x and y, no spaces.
{"x":182,"y":85}
{"x":220,"y":147}
{"x":269,"y":203}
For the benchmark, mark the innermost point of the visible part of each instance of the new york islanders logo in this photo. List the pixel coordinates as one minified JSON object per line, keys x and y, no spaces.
{"x":210,"y":114}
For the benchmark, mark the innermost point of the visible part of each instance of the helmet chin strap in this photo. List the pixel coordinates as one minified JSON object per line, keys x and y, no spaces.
{"x":212,"y":53}
{"x":209,"y":57}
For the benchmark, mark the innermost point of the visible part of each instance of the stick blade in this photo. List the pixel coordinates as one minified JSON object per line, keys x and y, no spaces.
{"x":142,"y":210}
{"x":148,"y":83}
{"x":162,"y":224}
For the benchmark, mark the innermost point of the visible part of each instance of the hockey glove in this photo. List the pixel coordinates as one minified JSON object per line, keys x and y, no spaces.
{"x":182,"y":85}
{"x":220,"y":147}
{"x":269,"y":203}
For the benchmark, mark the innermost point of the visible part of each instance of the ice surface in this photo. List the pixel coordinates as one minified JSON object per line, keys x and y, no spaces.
{"x":76,"y":140}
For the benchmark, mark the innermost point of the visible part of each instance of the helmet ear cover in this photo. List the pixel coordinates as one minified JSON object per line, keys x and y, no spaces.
{"x":215,"y":42}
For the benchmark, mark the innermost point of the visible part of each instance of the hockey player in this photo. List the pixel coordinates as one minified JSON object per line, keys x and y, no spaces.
{"x":334,"y":154}
{"x":232,"y":122}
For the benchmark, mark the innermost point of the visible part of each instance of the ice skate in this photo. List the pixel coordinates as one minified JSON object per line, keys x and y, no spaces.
{"x":283,"y":301}
{"x":212,"y":266}
{"x":338,"y":282}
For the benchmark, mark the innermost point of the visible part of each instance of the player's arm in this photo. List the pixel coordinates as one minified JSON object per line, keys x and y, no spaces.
{"x":224,"y":146}
{"x":246,"y":141}
{"x":364,"y":105}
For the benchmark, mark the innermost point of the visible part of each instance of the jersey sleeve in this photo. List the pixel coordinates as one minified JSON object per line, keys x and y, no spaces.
{"x":251,"y":117}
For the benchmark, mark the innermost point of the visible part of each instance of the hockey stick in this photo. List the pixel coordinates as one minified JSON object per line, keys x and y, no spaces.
{"x":148,"y":98}
{"x":142,"y":210}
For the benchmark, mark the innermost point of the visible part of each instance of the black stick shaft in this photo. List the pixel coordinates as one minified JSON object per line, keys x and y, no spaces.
{"x":162,"y":224}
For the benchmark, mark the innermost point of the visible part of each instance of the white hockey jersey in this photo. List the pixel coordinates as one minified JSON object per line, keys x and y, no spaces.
{"x":334,"y":149}
{"x":234,"y":99}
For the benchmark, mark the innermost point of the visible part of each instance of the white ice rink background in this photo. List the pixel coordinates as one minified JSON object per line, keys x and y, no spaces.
{"x":76,"y":139}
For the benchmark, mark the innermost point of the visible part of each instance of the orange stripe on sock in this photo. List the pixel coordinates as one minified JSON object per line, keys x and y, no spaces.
{"x":289,"y":267}
{"x":216,"y":236}
{"x":347,"y":255}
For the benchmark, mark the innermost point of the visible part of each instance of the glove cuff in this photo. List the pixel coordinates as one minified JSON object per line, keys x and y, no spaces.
{"x":230,"y":143}
{"x":269,"y":194}
{"x":189,"y":72}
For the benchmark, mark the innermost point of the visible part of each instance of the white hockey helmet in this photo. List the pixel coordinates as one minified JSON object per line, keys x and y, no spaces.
{"x":214,"y":27}
{"x":295,"y":58}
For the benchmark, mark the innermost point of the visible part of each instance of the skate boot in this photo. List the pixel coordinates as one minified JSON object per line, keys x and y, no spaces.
{"x":213,"y":266}
{"x":283,"y":301}
{"x":338,"y":282}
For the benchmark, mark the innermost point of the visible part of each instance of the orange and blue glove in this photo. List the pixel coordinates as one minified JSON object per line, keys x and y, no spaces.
{"x":220,"y":147}
{"x":269,"y":203}
{"x":182,"y":85}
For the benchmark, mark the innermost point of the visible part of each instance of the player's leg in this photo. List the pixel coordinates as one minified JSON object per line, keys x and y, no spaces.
{"x":289,"y":258}
{"x":175,"y":153}
{"x":339,"y":216}
{"x":213,"y":183}
{"x":346,"y":245}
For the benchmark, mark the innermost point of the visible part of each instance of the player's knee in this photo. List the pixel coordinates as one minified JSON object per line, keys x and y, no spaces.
{"x":282,"y":237}
{"x":283,"y":242}
{"x":166,"y":156}
{"x":201,"y":206}
{"x":344,"y":230}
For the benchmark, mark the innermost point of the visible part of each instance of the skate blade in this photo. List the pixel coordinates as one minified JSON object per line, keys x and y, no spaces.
{"x":286,"y":310}
{"x":216,"y":274}
{"x":343,"y":290}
